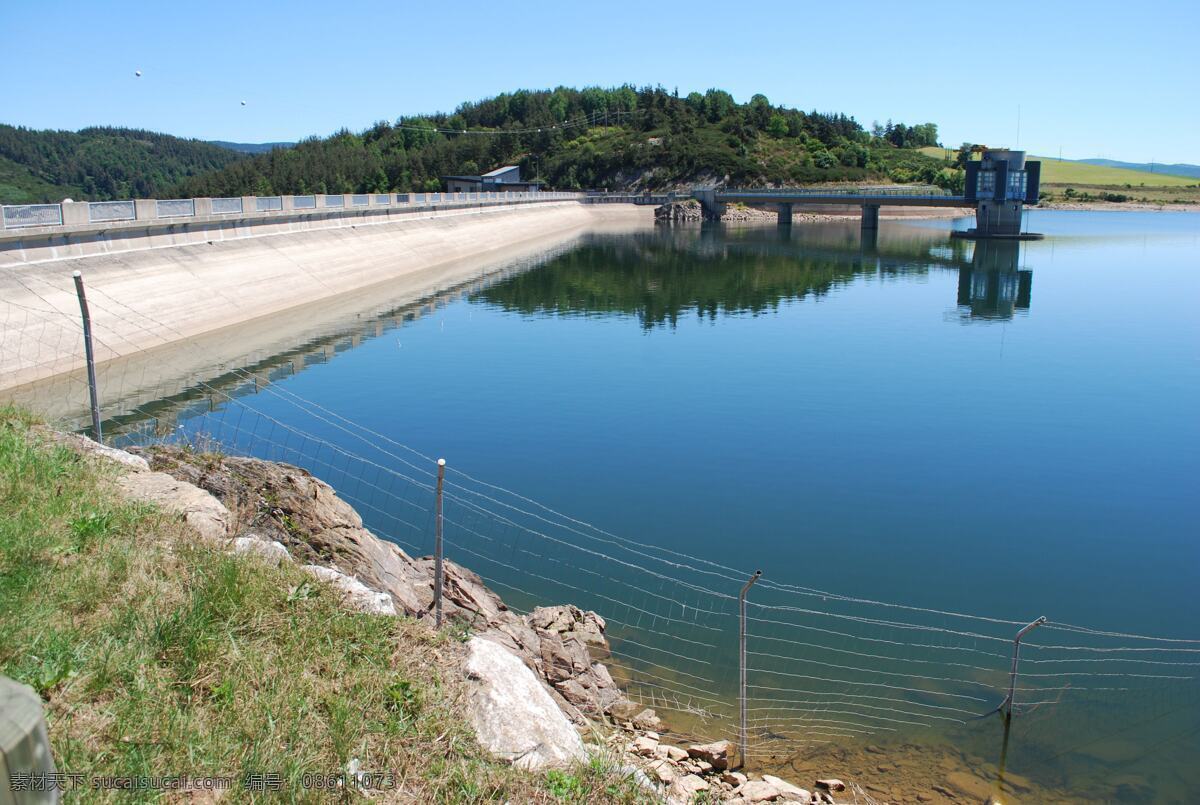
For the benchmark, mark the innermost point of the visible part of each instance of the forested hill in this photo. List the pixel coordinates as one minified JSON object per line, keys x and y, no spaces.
{"x":99,"y":164}
{"x":620,"y":138}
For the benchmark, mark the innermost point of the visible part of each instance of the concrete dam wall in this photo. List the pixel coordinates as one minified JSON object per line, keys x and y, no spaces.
{"x":273,"y":283}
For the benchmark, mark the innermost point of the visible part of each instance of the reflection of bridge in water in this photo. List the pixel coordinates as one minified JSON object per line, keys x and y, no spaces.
{"x":991,"y":284}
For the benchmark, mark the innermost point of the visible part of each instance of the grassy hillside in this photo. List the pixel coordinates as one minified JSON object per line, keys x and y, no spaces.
{"x":98,"y":164}
{"x":157,"y":654}
{"x":619,"y":138}
{"x":1055,"y":171}
{"x":1169,"y":169}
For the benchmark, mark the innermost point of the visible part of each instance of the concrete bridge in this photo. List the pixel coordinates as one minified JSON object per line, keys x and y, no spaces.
{"x":714,"y":201}
{"x":996,"y":186}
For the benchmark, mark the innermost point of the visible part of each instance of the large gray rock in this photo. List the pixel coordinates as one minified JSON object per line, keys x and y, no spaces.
{"x":512,"y":713}
{"x":272,"y":552}
{"x":760,"y":791}
{"x":203,"y":512}
{"x":355,"y":594}
{"x":787,"y":789}
{"x":83,"y":444}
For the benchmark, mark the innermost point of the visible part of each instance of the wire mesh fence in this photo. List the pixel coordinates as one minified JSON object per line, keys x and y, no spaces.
{"x":822,"y":668}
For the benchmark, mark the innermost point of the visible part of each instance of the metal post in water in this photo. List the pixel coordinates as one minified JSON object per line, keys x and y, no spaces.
{"x":1012,"y":678}
{"x":91,"y":357}
{"x":743,"y":740}
{"x":1007,"y":705}
{"x":437,"y":549}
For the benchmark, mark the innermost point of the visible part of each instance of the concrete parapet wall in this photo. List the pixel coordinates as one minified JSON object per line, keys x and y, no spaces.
{"x":79,"y":236}
{"x":151,"y":288}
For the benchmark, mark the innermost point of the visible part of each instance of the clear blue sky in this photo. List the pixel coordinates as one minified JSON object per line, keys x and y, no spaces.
{"x":1098,"y":79}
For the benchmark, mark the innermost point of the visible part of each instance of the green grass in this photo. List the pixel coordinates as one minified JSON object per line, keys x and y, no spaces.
{"x":155,"y":654}
{"x":1081,"y":173}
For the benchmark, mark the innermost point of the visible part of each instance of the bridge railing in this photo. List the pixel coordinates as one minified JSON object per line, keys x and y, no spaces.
{"x":907,"y":191}
{"x":85,"y":213}
{"x":593,"y":197}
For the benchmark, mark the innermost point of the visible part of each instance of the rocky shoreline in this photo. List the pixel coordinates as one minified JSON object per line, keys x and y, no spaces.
{"x":540,"y":693}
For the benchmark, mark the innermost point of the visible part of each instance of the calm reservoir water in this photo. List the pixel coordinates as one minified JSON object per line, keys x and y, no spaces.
{"x":977,"y":429}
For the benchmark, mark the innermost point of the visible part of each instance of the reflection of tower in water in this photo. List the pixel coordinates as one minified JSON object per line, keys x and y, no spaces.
{"x":992,"y":287}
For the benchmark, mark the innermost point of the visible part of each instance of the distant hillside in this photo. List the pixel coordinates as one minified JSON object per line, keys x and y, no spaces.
{"x":1177,"y":169}
{"x":619,"y":138}
{"x":1097,"y":172}
{"x":99,"y":164}
{"x":251,"y":148}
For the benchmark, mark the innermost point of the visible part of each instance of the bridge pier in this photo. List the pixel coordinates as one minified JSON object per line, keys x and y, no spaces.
{"x":785,"y":214}
{"x":870,"y":217}
{"x":713,"y":209}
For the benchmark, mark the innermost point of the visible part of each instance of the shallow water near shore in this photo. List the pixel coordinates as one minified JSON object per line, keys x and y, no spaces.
{"x":999,"y":430}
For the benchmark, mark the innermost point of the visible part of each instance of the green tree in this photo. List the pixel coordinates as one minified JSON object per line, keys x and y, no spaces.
{"x":778,"y":126}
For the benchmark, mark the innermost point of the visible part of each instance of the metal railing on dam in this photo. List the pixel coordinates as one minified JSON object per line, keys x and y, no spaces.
{"x":592,"y":197}
{"x":70,"y":215}
{"x":882,"y":196}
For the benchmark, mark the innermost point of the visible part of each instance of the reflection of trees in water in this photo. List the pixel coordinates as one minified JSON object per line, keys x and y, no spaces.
{"x":661,"y":275}
{"x":664,"y":274}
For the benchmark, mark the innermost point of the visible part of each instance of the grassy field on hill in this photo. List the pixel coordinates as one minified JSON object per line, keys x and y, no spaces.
{"x":1055,"y":171}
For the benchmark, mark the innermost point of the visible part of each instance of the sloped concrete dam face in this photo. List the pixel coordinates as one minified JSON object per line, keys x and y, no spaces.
{"x":152,"y":293}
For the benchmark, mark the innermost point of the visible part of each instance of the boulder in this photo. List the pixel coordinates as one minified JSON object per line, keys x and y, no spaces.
{"x":200,"y":510}
{"x":624,"y":710}
{"x":686,"y":787}
{"x":733,"y":778}
{"x":759,"y":791}
{"x":271,"y":551}
{"x":644,"y":745}
{"x":663,"y":771}
{"x":679,"y":212}
{"x":715,"y":753}
{"x":647,"y":720}
{"x":787,"y":789}
{"x":354,"y":593}
{"x":82,"y":444}
{"x":562,"y":658}
{"x":832,"y":783}
{"x":512,"y":713}
{"x":676,"y":754}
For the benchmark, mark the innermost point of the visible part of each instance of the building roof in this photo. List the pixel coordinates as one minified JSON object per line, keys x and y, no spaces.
{"x":499,"y":171}
{"x":465,"y":178}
